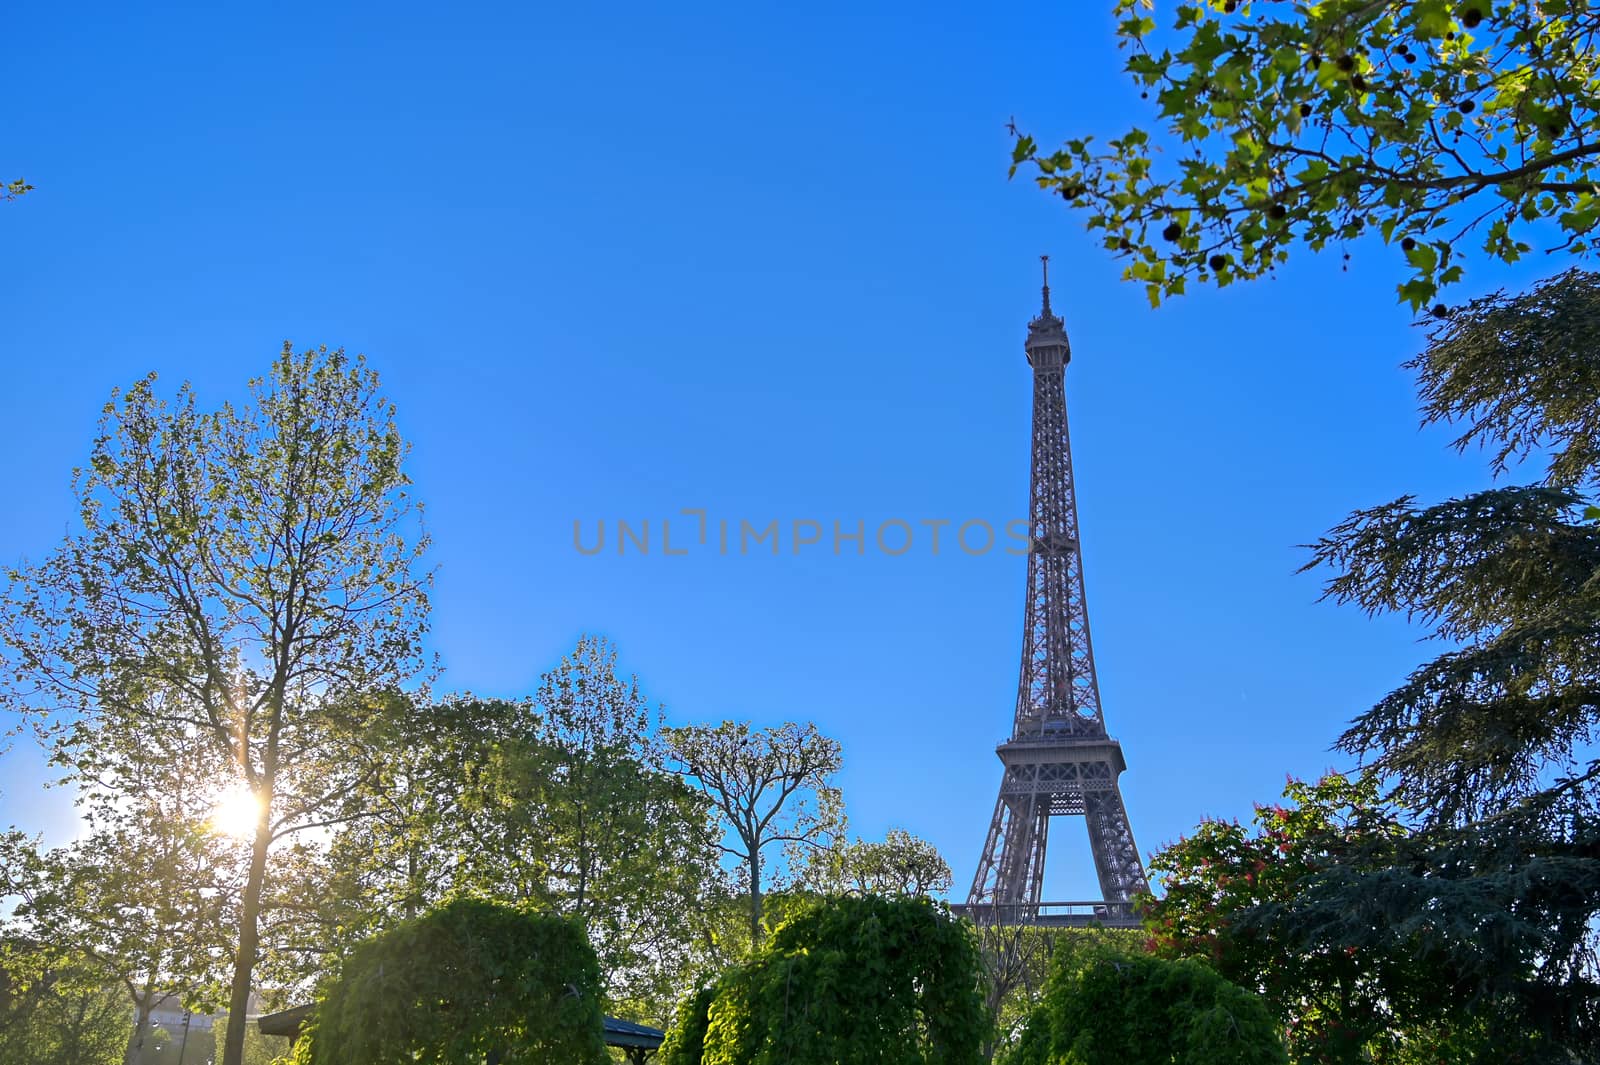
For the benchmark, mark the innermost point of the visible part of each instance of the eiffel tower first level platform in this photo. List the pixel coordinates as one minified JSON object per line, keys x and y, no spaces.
{"x":1059,"y":760}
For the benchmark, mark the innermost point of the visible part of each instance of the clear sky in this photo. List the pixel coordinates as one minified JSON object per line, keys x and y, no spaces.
{"x":617,"y":261}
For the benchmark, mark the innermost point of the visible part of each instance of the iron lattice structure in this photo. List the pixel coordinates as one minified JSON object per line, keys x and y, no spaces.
{"x":1059,"y":760}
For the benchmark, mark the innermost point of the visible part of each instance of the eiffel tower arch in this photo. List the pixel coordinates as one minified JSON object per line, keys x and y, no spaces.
{"x":1059,"y":760}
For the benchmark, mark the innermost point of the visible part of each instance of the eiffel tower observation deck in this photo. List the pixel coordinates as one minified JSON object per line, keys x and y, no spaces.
{"x":1059,"y":760}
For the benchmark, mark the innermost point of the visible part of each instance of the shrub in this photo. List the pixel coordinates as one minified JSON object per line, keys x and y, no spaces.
{"x":844,"y":981}
{"x":1115,"y":1009}
{"x":466,"y":981}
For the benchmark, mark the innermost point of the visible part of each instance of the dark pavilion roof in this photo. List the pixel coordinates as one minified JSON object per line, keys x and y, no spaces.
{"x":621,"y":1033}
{"x":284,"y":1022}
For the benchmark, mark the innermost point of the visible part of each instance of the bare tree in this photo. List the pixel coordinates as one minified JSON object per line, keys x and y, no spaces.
{"x":1016,"y":960}
{"x":770,"y":787}
{"x":902,"y":864}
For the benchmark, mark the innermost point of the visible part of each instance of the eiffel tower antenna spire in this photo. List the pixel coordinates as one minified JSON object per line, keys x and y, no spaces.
{"x":1059,"y":759}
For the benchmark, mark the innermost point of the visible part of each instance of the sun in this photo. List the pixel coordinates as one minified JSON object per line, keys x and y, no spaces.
{"x":236,"y":813}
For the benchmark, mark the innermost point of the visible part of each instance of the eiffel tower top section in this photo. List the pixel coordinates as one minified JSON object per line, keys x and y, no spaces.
{"x":1058,"y":695}
{"x":1047,"y":345}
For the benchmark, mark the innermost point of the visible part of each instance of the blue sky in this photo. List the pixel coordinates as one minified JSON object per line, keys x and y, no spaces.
{"x":614,"y":262}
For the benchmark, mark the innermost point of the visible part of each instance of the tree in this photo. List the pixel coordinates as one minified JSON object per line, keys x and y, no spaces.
{"x":57,"y":1009}
{"x":1018,"y":961}
{"x":1427,"y":121}
{"x":560,"y":801}
{"x":1232,"y":899}
{"x":10,"y":190}
{"x":146,"y":896}
{"x":426,"y":825}
{"x":900,"y":865}
{"x":844,"y":980}
{"x":578,"y":814}
{"x":1486,"y":742}
{"x":1111,"y":1009}
{"x":469,"y":981}
{"x":770,"y":787}
{"x":121,"y":908}
{"x":243,"y":576}
{"x":721,"y":926}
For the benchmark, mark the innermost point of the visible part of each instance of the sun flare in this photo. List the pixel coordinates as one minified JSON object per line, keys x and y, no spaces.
{"x":236,"y":813}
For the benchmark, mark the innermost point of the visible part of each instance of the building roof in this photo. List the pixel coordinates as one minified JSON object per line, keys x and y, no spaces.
{"x":620,"y":1033}
{"x":284,"y":1022}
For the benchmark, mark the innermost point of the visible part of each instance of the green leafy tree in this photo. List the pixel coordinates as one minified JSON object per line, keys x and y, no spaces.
{"x":423,"y":826}
{"x":721,"y":928}
{"x":598,"y":829}
{"x":772,"y":788}
{"x":147,"y":895}
{"x":391,"y":864}
{"x":902,"y":864}
{"x":246,"y":576}
{"x":891,"y":981}
{"x":1433,"y":123}
{"x":1232,"y":897}
{"x":10,"y":190}
{"x":1487,"y":741}
{"x":1104,"y":1008}
{"x":58,"y":1009}
{"x":560,"y":801}
{"x":118,"y":905}
{"x":467,"y":982}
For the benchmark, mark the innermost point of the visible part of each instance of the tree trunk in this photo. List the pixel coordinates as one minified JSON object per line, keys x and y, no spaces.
{"x":249,"y":940}
{"x":72,"y":1044}
{"x":141,"y":1026}
{"x":411,"y":881}
{"x":755,"y":899}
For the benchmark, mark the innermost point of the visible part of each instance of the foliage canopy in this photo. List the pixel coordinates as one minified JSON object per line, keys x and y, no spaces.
{"x":1427,"y":121}
{"x":1018,"y":961}
{"x":1234,"y":899}
{"x":1504,"y":575}
{"x":57,"y":1008}
{"x":901,"y":864}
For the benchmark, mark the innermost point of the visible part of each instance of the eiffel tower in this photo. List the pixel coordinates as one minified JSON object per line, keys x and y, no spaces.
{"x":1059,"y":760}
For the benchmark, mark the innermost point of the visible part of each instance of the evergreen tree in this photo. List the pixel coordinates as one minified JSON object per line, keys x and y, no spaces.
{"x":1488,"y":742}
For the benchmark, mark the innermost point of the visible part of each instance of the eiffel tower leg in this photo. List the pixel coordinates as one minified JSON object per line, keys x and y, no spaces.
{"x":1021,"y":853}
{"x":1116,"y":858}
{"x":1010,"y":872}
{"x":985,"y":880}
{"x":1041,"y":837}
